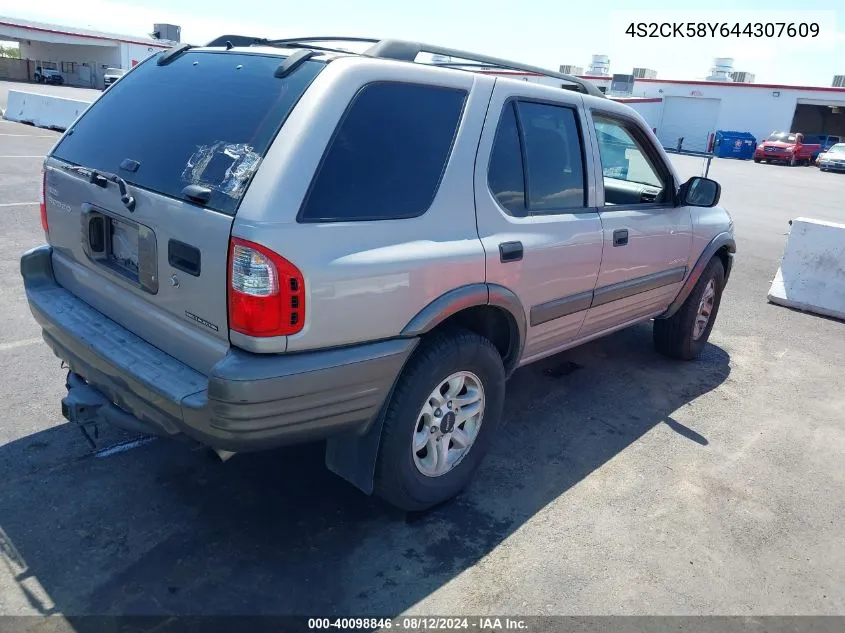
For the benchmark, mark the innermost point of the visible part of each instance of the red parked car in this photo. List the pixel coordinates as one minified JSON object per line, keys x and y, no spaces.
{"x":786,"y":147}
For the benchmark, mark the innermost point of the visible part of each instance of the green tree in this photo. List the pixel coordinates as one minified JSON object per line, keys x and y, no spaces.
{"x":10,"y":51}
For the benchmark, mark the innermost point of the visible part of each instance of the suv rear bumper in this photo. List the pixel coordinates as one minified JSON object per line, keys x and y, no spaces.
{"x":248,"y":402}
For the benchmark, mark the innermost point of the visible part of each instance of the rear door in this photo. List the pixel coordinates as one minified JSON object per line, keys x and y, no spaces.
{"x":141,"y":192}
{"x":536,"y":219}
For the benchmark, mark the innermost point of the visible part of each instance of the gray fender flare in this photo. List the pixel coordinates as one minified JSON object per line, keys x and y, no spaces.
{"x":469,"y":296}
{"x":353,"y":456}
{"x":722,"y":240}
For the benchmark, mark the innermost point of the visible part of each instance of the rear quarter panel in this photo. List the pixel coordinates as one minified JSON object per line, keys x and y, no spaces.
{"x":366,"y":280}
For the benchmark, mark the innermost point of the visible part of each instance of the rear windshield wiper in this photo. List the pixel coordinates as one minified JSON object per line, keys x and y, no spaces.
{"x":99,"y":178}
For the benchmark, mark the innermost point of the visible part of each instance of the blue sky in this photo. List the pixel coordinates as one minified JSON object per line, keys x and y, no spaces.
{"x":541,"y":32}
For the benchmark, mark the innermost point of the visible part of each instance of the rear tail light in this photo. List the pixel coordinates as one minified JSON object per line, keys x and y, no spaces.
{"x":266,"y":291}
{"x":43,"y":201}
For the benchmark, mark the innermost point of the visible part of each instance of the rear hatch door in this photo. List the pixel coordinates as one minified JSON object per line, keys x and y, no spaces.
{"x":142,"y":190}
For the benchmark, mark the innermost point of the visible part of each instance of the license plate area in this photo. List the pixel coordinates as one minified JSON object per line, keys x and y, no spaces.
{"x":120,"y":246}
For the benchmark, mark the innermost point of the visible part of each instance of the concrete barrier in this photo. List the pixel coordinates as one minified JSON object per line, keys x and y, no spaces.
{"x":811,"y":276}
{"x":43,"y":110}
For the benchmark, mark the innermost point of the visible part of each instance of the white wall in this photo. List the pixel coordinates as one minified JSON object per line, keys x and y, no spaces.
{"x":744,"y":108}
{"x":136,"y":53}
{"x":650,"y":111}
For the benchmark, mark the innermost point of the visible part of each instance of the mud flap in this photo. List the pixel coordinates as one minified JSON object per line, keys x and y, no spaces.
{"x":353,"y":457}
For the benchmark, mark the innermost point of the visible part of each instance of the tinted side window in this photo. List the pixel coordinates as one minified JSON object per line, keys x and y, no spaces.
{"x":388,"y":154}
{"x":505,"y":175}
{"x":554,"y":157}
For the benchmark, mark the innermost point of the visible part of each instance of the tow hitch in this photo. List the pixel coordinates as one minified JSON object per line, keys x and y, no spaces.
{"x":88,"y":408}
{"x":82,"y":406}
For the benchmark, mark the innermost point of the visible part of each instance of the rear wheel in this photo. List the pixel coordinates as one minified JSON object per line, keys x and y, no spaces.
{"x":444,"y":413}
{"x":685,"y":333}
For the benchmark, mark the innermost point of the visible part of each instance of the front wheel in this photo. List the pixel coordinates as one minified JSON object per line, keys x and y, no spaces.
{"x":443,"y":415}
{"x":756,"y":160}
{"x":684,"y":334}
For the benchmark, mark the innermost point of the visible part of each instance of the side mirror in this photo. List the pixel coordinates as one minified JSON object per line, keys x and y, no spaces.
{"x":700,"y":192}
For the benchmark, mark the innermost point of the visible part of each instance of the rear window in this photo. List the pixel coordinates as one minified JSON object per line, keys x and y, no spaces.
{"x":388,"y":154}
{"x":553,"y":153}
{"x":203,"y":119}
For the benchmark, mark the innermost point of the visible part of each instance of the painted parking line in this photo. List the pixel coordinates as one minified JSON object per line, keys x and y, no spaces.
{"x":17,"y":344}
{"x":18,"y":204}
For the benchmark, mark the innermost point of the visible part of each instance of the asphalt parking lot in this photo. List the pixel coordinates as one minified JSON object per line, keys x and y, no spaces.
{"x":622,"y":483}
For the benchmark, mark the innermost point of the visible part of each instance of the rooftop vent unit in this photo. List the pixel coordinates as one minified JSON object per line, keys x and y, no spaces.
{"x":599,"y":66}
{"x":621,"y":85}
{"x":167,"y":32}
{"x":571,"y":69}
{"x":839,"y":81}
{"x":644,"y":73}
{"x":742,"y":77}
{"x":722,"y":69}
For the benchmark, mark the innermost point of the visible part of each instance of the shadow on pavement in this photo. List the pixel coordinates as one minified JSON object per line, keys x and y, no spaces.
{"x":162,"y":530}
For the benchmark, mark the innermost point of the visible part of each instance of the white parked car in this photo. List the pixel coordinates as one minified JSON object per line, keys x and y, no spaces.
{"x":111,"y":75}
{"x":833,"y":159}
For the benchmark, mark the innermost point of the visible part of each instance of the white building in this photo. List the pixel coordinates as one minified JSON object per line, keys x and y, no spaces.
{"x":80,"y":55}
{"x":696,"y":109}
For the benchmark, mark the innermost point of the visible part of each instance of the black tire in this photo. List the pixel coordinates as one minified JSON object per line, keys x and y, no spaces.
{"x":756,"y":160}
{"x":398,"y":480}
{"x":673,"y":337}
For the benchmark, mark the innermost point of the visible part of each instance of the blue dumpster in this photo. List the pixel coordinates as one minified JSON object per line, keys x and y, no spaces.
{"x":727,"y":144}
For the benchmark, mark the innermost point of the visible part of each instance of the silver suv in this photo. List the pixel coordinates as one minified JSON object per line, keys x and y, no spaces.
{"x":258,"y":243}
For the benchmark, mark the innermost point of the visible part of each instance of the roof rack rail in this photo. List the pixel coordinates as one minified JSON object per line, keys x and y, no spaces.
{"x":172,"y":53}
{"x":236,"y":40}
{"x":403,"y":50}
{"x":307,"y":42}
{"x":330,"y":38}
{"x":408,"y":51}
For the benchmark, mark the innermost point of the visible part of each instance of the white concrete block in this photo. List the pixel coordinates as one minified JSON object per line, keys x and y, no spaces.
{"x":811,"y":276}
{"x":43,"y":110}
